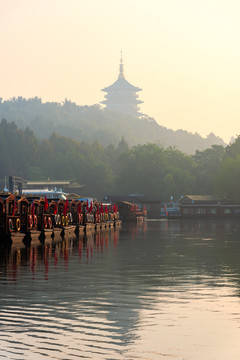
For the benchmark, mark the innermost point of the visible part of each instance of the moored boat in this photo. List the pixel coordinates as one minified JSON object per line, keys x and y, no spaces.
{"x":23,"y":219}
{"x":131,"y":212}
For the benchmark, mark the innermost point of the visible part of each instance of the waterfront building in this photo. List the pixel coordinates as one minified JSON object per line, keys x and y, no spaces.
{"x":207,"y":206}
{"x":122,"y":96}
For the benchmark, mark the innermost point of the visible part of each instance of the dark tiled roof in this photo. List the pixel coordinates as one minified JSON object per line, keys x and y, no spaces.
{"x":201,"y":197}
{"x":197,"y":199}
{"x":132,"y":198}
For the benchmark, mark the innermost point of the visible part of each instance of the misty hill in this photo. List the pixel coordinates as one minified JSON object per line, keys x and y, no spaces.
{"x":91,"y":123}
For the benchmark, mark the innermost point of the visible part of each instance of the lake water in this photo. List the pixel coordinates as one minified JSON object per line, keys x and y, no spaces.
{"x":158,"y":290}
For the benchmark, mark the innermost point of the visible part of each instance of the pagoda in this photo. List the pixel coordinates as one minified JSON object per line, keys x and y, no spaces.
{"x":122,"y":96}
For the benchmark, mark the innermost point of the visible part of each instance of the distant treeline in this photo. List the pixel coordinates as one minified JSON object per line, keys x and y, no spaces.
{"x":118,"y":169}
{"x":90,"y":123}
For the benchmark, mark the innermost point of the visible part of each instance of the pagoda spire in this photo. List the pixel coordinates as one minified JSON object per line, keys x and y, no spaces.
{"x":121,"y":74}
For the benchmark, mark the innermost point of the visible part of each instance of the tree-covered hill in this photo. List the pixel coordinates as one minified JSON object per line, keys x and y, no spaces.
{"x":146,"y":169}
{"x":90,"y":123}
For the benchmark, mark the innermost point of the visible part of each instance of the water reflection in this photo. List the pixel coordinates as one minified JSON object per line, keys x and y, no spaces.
{"x":12,"y":259}
{"x":149,"y":291}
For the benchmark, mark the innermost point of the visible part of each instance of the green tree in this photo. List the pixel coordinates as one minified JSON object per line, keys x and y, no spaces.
{"x":153,"y":171}
{"x":207,"y":165}
{"x":227,"y":181}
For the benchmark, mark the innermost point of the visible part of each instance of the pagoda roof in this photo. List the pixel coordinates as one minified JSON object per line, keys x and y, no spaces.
{"x":121,"y":84}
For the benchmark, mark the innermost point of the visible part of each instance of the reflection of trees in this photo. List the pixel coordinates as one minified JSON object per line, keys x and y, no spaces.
{"x":192,"y":249}
{"x":110,"y":276}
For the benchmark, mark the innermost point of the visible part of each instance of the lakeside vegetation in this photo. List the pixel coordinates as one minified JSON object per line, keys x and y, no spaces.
{"x":120,"y":169}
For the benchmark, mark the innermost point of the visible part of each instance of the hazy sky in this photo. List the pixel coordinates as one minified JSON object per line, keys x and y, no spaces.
{"x":184,"y":54}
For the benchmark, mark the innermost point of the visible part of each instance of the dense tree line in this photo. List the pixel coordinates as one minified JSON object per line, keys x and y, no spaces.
{"x":118,"y":169}
{"x":89,"y":123}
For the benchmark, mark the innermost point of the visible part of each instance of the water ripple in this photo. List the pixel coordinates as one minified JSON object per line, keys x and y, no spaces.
{"x":158,"y":291}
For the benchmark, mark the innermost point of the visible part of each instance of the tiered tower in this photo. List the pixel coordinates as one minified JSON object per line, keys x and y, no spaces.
{"x":121,"y":96}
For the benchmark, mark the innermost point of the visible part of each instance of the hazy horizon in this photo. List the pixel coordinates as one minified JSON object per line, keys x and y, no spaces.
{"x":184,"y":55}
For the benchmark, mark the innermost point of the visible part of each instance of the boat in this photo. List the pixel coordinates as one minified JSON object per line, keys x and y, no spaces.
{"x":49,"y":193}
{"x":131,"y":212}
{"x":170,"y":210}
{"x":23,"y":219}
